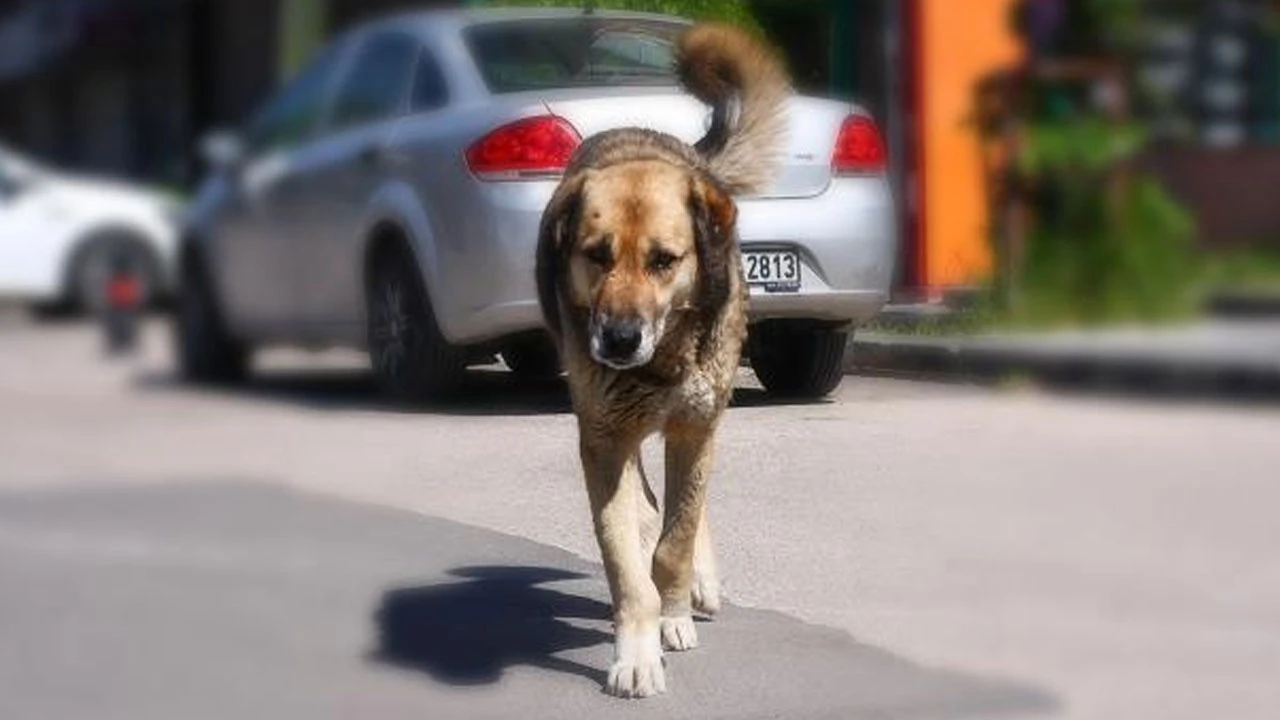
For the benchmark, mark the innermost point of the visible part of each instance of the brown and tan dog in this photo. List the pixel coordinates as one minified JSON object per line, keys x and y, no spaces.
{"x":640,"y":283}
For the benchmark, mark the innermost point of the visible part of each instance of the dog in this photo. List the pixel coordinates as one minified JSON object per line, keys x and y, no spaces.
{"x":640,"y":285}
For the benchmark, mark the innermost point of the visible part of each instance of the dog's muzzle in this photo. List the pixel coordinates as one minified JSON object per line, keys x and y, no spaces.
{"x":621,"y":343}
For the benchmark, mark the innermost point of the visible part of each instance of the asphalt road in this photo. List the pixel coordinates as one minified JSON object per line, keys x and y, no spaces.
{"x":296,"y":549}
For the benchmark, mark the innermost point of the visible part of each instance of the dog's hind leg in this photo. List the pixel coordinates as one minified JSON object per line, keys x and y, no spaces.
{"x":613,"y":486}
{"x":705,"y":591}
{"x":689,"y":456}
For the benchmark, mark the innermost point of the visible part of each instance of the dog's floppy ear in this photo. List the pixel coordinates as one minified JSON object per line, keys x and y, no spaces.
{"x":714,"y":221}
{"x":555,"y":242}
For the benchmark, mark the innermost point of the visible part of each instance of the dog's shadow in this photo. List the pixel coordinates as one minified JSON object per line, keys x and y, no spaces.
{"x":470,"y":632}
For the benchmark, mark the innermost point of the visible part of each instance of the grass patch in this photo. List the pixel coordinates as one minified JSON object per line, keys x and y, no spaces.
{"x":1241,"y":272}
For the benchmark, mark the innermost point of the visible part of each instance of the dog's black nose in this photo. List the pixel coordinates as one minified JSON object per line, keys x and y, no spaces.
{"x":620,"y":338}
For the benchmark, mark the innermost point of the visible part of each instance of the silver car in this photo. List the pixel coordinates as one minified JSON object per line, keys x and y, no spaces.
{"x":388,"y":198}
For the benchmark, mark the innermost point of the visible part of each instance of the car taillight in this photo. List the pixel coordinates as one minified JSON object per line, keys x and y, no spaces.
{"x":859,"y":149}
{"x":532,"y":147}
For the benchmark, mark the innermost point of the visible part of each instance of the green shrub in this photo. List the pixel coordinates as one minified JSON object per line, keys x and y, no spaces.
{"x":1108,"y":243}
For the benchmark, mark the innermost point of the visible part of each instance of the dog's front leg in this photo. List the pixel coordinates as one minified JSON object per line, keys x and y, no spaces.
{"x":614,"y":488}
{"x":689,"y":455}
{"x":706,"y":579}
{"x":650,"y":515}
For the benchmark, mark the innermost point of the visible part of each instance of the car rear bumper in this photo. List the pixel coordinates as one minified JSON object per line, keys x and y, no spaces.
{"x":852,"y":307}
{"x":847,"y":241}
{"x":846,"y":238}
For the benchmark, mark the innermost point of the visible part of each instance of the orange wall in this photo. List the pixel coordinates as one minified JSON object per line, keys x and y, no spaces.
{"x":959,"y":41}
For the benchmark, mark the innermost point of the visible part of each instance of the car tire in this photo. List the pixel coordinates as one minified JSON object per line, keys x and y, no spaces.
{"x":532,"y":359}
{"x":412,"y":361}
{"x":207,"y":353}
{"x":91,"y":270}
{"x":797,"y":360}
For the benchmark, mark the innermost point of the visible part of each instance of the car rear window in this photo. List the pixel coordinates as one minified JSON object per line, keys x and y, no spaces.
{"x":514,"y":56}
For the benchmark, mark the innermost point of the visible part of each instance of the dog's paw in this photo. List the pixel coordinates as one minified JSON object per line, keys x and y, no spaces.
{"x":705,"y":594}
{"x":679,"y":633}
{"x":637,"y":672}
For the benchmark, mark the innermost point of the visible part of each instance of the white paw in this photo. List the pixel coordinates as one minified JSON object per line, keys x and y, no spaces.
{"x":705,"y":594}
{"x":637,"y":671}
{"x":679,"y":633}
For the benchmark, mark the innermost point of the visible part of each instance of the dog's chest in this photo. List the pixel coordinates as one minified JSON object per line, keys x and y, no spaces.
{"x":698,"y":396}
{"x":707,"y":384}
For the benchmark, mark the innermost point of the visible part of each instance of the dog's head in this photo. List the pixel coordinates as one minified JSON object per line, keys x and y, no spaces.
{"x":629,"y":245}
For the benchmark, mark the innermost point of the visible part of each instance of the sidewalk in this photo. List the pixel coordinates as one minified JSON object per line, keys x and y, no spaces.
{"x":1238,"y":357}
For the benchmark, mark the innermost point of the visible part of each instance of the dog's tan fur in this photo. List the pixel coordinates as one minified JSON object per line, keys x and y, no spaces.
{"x":643,"y":228}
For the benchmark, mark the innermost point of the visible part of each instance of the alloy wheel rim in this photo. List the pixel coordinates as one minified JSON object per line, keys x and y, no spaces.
{"x":95,"y":277}
{"x":393,"y":329}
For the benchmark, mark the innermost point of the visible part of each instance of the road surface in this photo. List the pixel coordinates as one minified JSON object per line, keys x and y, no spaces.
{"x":297,"y":549}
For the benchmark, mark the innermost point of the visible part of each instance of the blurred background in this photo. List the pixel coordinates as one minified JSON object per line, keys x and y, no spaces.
{"x":999,"y":116}
{"x":1086,"y":199}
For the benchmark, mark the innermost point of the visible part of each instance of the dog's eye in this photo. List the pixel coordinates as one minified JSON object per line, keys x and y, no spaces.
{"x":661,"y":261}
{"x":600,"y":254}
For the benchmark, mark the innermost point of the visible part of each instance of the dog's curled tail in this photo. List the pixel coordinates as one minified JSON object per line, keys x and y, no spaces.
{"x":718,"y":64}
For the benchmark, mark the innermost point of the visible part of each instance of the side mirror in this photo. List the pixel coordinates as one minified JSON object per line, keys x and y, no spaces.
{"x":222,"y":150}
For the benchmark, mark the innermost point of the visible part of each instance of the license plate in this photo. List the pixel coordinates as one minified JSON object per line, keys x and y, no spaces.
{"x":773,"y":270}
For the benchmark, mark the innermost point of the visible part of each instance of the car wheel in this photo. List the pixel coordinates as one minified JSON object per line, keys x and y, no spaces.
{"x":207,"y":353}
{"x":797,"y":360}
{"x":93,"y":267}
{"x":532,"y":359}
{"x":411,"y":359}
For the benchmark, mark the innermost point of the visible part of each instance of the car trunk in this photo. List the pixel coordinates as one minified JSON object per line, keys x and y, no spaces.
{"x":814,"y":126}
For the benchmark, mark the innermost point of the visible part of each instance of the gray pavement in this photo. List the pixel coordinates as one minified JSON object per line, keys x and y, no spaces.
{"x":908,"y":550}
{"x":230,"y":599}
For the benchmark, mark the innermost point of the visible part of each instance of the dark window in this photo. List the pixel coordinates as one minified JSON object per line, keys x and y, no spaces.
{"x":293,"y":114}
{"x":429,"y":89}
{"x":577,"y":52}
{"x":376,"y":86}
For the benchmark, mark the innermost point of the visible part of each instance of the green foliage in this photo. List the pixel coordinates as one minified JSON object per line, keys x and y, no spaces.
{"x":1243,"y":271}
{"x":1122,"y":25}
{"x":1107,"y":243}
{"x":733,"y":11}
{"x":1119,"y":22}
{"x":1104,"y":249}
{"x":1088,"y":145}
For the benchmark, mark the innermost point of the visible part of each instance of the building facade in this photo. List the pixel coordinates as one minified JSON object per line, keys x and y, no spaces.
{"x":126,"y":87}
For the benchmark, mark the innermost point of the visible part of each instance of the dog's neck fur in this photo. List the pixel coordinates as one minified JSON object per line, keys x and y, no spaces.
{"x":691,"y":361}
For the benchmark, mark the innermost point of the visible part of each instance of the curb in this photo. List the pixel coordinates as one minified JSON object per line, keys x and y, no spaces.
{"x":1244,"y":305}
{"x":991,"y":362}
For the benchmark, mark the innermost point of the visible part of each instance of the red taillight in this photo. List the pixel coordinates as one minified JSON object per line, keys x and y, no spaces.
{"x":859,"y":149}
{"x":532,"y":147}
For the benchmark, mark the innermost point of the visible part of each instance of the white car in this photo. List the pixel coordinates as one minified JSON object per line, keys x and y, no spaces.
{"x":61,"y":234}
